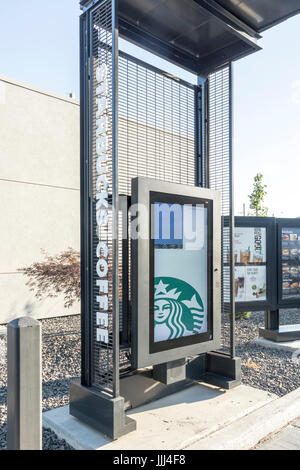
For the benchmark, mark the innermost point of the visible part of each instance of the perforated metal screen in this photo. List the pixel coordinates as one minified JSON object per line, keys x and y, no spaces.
{"x":156,"y":125}
{"x":101,"y":62}
{"x":219,"y":177}
{"x":156,"y":137}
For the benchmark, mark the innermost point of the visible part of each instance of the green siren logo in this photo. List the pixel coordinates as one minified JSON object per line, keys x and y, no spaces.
{"x":178,"y":309}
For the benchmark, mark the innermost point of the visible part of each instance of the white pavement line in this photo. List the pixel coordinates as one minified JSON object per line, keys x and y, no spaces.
{"x":249,"y":430}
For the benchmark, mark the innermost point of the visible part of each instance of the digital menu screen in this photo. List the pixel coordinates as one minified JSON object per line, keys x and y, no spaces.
{"x":250,"y":280}
{"x":290,"y":256}
{"x":180,"y":270}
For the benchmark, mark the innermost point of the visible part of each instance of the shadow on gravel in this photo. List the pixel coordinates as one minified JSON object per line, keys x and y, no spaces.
{"x":3,"y":394}
{"x":3,"y":431}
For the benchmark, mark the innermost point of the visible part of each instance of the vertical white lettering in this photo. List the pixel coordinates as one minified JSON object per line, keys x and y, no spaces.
{"x":102,"y":252}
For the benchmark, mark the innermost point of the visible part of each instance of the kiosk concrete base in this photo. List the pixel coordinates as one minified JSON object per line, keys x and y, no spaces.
{"x":174,"y":422}
{"x":291,"y":346}
{"x":105,"y":414}
{"x":283,"y":333}
{"x":217,"y":369}
{"x":145,"y":386}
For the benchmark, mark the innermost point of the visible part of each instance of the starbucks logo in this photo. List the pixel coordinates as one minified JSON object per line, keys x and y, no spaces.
{"x":178,"y":309}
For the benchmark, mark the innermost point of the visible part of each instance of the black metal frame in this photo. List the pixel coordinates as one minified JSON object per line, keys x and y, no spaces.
{"x":86,"y":343}
{"x":87,"y":395}
{"x":193,"y":339}
{"x":271,"y":265}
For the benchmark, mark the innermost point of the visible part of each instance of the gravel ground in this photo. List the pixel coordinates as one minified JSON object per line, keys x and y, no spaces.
{"x":273,"y":371}
{"x":267,"y":369}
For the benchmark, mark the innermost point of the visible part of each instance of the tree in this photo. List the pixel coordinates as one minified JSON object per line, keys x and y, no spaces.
{"x":56,"y":275}
{"x":257,"y":197}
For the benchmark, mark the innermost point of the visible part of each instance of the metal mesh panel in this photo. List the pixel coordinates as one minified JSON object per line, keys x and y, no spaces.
{"x":156,"y":126}
{"x":101,"y":53}
{"x":220,"y":172}
{"x":156,"y":132}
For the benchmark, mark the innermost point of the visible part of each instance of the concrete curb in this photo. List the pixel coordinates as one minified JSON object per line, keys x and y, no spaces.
{"x":68,"y":435}
{"x":290,"y":346}
{"x":174,"y":422}
{"x":251,"y":429}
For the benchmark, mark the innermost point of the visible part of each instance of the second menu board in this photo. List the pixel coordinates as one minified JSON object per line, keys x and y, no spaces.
{"x":250,"y":283}
{"x":290,"y":256}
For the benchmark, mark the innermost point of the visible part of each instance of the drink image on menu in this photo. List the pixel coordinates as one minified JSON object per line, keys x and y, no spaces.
{"x":245,"y":256}
{"x":239,"y":284}
{"x":235,"y":257}
{"x":257,"y":258}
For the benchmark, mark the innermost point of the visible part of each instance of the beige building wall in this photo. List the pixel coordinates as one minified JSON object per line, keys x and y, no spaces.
{"x":39,"y":191}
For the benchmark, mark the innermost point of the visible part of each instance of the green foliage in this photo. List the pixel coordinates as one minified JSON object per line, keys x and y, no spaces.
{"x":257,"y":197}
{"x":242,"y":315}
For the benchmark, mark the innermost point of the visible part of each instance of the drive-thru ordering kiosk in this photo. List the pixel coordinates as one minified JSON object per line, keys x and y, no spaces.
{"x":176,"y":265}
{"x":157,"y":248}
{"x":267,"y":271}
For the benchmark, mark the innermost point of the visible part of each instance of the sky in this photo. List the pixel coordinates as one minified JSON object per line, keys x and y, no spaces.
{"x":39,"y":45}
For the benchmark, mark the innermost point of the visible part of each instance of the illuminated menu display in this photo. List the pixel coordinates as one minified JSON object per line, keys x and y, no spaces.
{"x":290,"y":255}
{"x":180,"y":270}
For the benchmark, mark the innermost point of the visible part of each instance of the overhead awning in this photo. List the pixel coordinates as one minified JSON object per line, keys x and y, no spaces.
{"x":199,"y":35}
{"x":262,"y":14}
{"x":186,"y":32}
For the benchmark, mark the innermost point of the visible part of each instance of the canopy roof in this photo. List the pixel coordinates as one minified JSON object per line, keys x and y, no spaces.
{"x":262,"y":14}
{"x":200,"y":35}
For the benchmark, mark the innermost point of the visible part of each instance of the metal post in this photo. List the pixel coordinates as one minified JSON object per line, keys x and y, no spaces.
{"x":85,"y":222}
{"x":24,"y":388}
{"x":272,"y":320}
{"x":231,"y":218}
{"x":202,"y":133}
